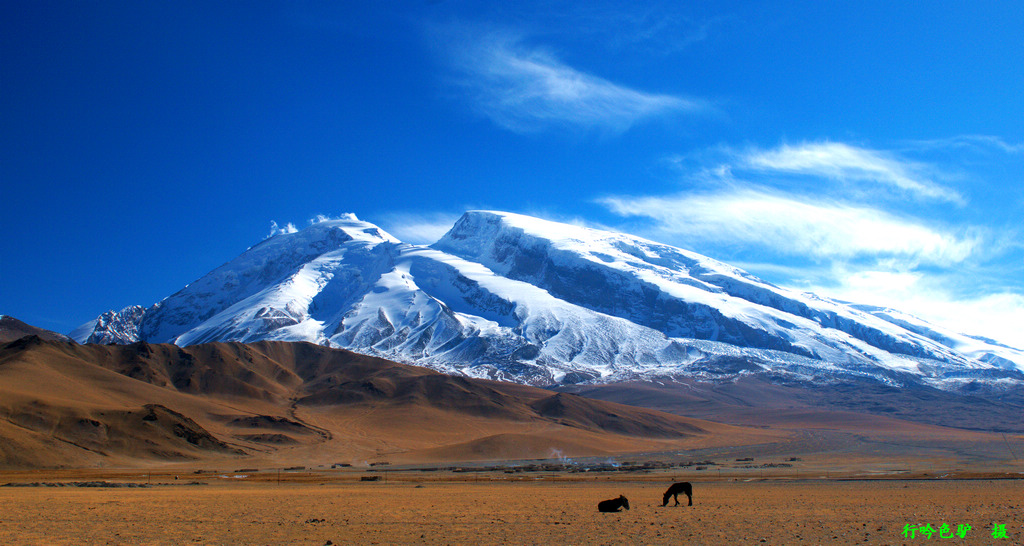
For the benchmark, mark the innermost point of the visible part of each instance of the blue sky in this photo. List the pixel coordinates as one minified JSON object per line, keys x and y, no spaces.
{"x":871,"y":151}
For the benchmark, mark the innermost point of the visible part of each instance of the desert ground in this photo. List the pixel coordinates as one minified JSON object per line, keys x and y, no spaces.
{"x":499,"y":505}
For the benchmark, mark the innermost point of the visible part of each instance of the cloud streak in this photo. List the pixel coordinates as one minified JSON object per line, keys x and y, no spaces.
{"x":840,"y":161}
{"x":526,"y":89}
{"x":974,"y":143}
{"x":794,"y":226}
{"x":421,"y":228}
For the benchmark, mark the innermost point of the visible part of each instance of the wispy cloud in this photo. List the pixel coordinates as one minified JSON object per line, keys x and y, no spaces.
{"x":970,"y":142}
{"x":419,"y":228}
{"x":794,"y":226}
{"x":528,"y":89}
{"x":275,"y":229}
{"x":655,"y":28}
{"x":841,"y":161}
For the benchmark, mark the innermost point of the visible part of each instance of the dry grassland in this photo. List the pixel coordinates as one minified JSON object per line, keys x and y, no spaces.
{"x":492,"y":508}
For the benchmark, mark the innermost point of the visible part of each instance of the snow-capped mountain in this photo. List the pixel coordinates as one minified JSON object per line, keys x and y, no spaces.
{"x":517,"y":298}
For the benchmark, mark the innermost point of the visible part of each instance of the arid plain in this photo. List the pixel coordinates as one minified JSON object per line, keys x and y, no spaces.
{"x":493,"y":507}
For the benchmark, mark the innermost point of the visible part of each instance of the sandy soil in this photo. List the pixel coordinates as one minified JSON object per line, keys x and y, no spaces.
{"x":493,"y":507}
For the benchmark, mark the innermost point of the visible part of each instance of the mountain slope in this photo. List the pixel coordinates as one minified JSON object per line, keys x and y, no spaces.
{"x":12,"y":329}
{"x":686,"y":295}
{"x":510,"y":297}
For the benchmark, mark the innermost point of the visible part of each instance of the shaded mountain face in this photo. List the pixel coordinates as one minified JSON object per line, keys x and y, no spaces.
{"x":516,"y":298}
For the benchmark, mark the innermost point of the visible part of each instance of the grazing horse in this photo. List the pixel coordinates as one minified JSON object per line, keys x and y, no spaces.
{"x":675,"y":490}
{"x":613,"y":505}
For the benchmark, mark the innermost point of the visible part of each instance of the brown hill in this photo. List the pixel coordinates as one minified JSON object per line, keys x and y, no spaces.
{"x":12,"y":329}
{"x":284,"y":404}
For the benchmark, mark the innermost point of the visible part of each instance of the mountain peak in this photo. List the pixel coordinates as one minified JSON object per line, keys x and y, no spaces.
{"x":120,"y":327}
{"x":488,"y":224}
{"x":347,"y":223}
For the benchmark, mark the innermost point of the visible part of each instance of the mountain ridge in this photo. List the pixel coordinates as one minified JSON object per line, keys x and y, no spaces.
{"x":516,"y":298}
{"x":12,"y":329}
{"x":63,"y":403}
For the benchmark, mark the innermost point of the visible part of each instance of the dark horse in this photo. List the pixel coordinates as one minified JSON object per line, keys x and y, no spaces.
{"x":613,"y":505}
{"x":675,"y":490}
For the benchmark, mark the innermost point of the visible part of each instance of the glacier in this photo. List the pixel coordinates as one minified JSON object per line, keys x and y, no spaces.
{"x":516,"y":298}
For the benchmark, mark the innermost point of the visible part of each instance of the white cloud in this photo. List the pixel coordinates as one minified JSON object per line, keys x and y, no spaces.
{"x":794,"y":226}
{"x":328,"y":218}
{"x":850,"y":163}
{"x":278,"y":230}
{"x":418,"y":228}
{"x":876,"y":283}
{"x":997,"y":315}
{"x":527,"y":89}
